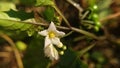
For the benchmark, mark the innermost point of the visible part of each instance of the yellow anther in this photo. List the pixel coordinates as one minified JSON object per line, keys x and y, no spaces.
{"x":51,"y":35}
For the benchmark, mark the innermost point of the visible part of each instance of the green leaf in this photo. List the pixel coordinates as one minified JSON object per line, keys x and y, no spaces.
{"x":70,"y":60}
{"x":28,"y":2}
{"x":6,"y":6}
{"x":22,"y":15}
{"x":34,"y":57}
{"x":37,"y":2}
{"x":25,"y":27}
{"x":12,"y":20}
{"x":49,"y":14}
{"x":44,"y":2}
{"x":4,"y":15}
{"x":14,"y":24}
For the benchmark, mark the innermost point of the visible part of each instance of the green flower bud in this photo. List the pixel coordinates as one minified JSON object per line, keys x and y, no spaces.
{"x":61,"y":52}
{"x":64,"y":47}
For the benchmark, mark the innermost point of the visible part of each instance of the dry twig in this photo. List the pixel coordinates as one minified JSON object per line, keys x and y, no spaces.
{"x":16,"y":52}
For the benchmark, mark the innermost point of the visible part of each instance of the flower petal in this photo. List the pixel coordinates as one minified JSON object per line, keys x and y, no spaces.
{"x":51,"y":52}
{"x":47,"y":51}
{"x":43,"y":33}
{"x":55,"y":52}
{"x":56,"y":41}
{"x":59,"y":33}
{"x":52,"y":27}
{"x":47,"y":41}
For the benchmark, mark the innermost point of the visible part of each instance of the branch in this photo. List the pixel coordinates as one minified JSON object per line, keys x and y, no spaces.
{"x":60,"y":13}
{"x":80,"y":9}
{"x":61,"y":27}
{"x":16,"y":52}
{"x":71,"y":28}
{"x":85,"y":33}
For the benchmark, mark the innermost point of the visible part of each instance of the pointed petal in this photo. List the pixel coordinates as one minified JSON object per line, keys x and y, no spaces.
{"x":43,"y":33}
{"x":47,"y":41}
{"x":56,"y":56}
{"x":51,"y":52}
{"x":47,"y":51}
{"x":52,"y":27}
{"x":59,"y":33}
{"x":56,"y":41}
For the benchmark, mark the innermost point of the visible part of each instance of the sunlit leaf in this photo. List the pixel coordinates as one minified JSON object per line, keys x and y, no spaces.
{"x":6,"y":6}
{"x":37,"y":2}
{"x":44,"y":2}
{"x":4,"y":15}
{"x":13,"y":25}
{"x":16,"y":20}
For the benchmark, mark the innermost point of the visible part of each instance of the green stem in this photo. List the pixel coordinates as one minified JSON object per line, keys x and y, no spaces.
{"x":68,"y":33}
{"x":83,"y":51}
{"x":60,"y":27}
{"x":85,"y":14}
{"x":85,"y":33}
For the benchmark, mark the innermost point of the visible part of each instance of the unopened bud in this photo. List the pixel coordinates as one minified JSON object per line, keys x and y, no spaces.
{"x":61,"y":52}
{"x":64,"y":47}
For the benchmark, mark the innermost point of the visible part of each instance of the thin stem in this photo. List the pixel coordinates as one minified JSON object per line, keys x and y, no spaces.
{"x":73,"y":29}
{"x":83,"y":51}
{"x":68,"y":33}
{"x":46,"y":25}
{"x":76,"y":6}
{"x":88,"y":21}
{"x":16,"y":52}
{"x":79,"y":38}
{"x":85,"y":14}
{"x":61,"y":27}
{"x":60,"y":13}
{"x":85,"y":33}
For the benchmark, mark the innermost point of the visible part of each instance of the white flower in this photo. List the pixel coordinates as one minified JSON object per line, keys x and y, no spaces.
{"x":51,"y":52}
{"x":52,"y":38}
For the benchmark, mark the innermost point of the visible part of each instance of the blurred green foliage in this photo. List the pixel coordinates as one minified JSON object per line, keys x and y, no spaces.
{"x":48,"y":14}
{"x":34,"y":56}
{"x":14,"y":22}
